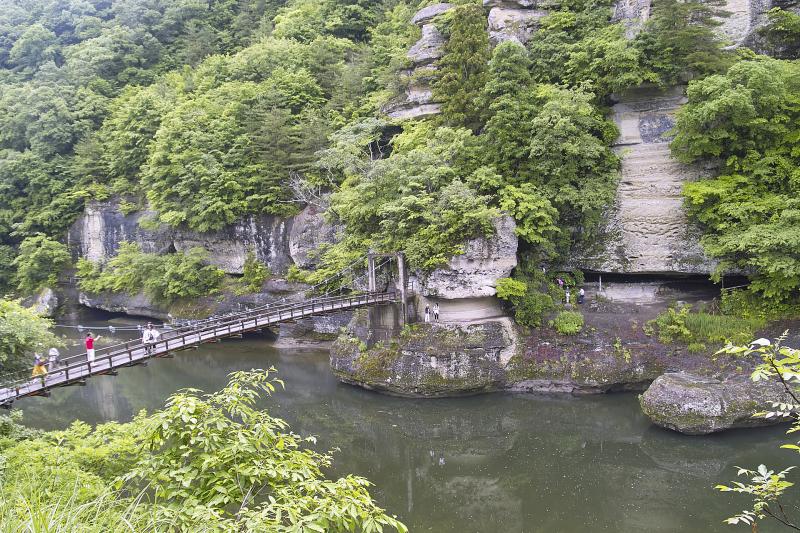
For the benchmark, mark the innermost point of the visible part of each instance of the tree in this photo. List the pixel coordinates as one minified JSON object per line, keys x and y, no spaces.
{"x":747,"y":121}
{"x":34,"y":47}
{"x":461,"y":72}
{"x":768,"y":488}
{"x":22,"y":332}
{"x":782,"y":33}
{"x":680,"y":40}
{"x":40,"y":261}
{"x":211,"y":462}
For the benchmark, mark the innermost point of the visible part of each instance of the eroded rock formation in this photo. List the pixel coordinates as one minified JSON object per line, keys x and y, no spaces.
{"x":426,"y":360}
{"x":475,"y":273}
{"x":515,"y":20}
{"x":417,"y":101}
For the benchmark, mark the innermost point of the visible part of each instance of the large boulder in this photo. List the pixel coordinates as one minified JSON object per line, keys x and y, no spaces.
{"x":697,"y":405}
{"x":474,"y":273}
{"x":426,"y":360}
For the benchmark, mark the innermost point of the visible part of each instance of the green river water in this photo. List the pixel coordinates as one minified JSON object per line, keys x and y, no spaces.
{"x":491,"y":463}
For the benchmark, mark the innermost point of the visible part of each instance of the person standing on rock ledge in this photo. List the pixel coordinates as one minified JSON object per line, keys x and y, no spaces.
{"x":427,"y":313}
{"x":581,"y":295}
{"x":436,"y":312}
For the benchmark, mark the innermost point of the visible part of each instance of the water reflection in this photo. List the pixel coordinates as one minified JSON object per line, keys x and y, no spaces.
{"x":509,"y":463}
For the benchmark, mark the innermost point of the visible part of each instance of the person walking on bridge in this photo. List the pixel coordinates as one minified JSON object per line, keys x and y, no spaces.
{"x":39,"y":366}
{"x":90,"y":347}
{"x":150,"y":336}
{"x":52,"y":358}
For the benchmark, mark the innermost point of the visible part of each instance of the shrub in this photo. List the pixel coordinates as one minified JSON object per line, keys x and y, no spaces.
{"x":21,"y":333}
{"x":568,"y":322}
{"x":510,"y":289}
{"x":254,"y":274}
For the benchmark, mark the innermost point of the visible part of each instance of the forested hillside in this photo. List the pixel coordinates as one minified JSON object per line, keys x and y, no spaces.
{"x":206,"y":112}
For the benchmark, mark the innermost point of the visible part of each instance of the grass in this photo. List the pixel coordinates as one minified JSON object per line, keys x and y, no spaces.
{"x":23,"y":511}
{"x":698,"y":328}
{"x":722,"y":328}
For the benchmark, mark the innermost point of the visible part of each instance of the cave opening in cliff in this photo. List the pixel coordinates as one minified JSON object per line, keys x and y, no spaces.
{"x":676,"y":284}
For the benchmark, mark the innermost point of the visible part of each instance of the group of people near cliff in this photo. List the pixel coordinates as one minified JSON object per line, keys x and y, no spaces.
{"x":435,"y":312}
{"x":42,"y":365}
{"x":567,"y":294}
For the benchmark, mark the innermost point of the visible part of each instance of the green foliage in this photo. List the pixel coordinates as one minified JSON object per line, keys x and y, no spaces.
{"x":578,"y":46}
{"x":210,"y":462}
{"x":568,"y":322}
{"x":767,"y":488}
{"x":746,"y":303}
{"x":747,"y":118}
{"x":418,"y":200}
{"x":254,"y":274}
{"x":12,"y":431}
{"x":462,"y":70}
{"x":696,"y":328}
{"x":22,"y":332}
{"x":39,"y":262}
{"x":164,"y":278}
{"x":511,"y":289}
{"x":529,"y":292}
{"x":681,"y":41}
{"x":782,"y":32}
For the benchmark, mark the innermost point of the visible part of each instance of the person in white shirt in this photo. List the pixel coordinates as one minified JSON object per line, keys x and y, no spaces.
{"x":52,"y":358}
{"x":150,"y":336}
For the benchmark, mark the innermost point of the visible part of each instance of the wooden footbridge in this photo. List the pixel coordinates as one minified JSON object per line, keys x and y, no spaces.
{"x":75,"y":370}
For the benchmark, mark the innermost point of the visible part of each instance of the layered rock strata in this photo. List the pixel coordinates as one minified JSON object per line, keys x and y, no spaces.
{"x":474,"y":273}
{"x":417,"y":101}
{"x":647,"y":229}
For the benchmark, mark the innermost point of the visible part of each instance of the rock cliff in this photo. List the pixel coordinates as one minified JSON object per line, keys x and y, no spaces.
{"x":647,"y":229}
{"x":277,"y":242}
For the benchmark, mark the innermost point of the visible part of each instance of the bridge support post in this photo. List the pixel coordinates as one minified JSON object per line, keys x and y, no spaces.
{"x":371,"y":283}
{"x":401,"y":273}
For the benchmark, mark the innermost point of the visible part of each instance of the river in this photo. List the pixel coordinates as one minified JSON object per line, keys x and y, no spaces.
{"x":483,"y":464}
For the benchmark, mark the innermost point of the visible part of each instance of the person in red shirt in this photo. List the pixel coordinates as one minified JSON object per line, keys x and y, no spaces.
{"x":90,"y":347}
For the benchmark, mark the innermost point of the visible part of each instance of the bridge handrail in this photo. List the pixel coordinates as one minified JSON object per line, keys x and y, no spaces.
{"x":121,"y":347}
{"x":129,"y":348}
